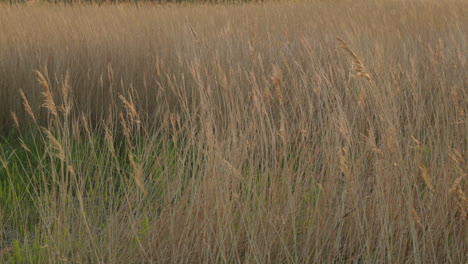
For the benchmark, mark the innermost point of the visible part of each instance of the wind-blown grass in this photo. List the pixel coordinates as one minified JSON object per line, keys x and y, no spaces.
{"x":314,"y":132}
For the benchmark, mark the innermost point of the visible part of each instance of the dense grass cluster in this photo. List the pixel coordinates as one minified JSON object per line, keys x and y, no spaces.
{"x":134,"y":2}
{"x":319,"y":132}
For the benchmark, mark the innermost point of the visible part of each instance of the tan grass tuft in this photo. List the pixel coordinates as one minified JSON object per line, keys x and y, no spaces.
{"x":356,"y":63}
{"x":416,"y":217}
{"x":15,"y":119}
{"x":276,"y":77}
{"x":463,"y":203}
{"x":49,"y":103}
{"x":282,"y":130}
{"x":109,"y":138}
{"x":458,"y":104}
{"x":67,"y":105}
{"x":194,"y":33}
{"x":427,"y":179}
{"x":130,"y":107}
{"x":132,"y":114}
{"x":27,"y":106}
{"x":55,"y":144}
{"x":455,"y":185}
{"x":71,"y":170}
{"x":371,"y":142}
{"x":456,"y":156}
{"x":344,"y":164}
{"x":137,"y":173}
{"x":126,"y":130}
{"x":76,"y":129}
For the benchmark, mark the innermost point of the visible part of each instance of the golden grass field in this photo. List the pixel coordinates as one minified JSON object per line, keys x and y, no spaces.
{"x":282,"y":132}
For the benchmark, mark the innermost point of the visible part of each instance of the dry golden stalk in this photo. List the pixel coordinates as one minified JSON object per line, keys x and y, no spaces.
{"x":371,"y":142}
{"x":85,"y":122}
{"x":459,"y":163}
{"x":137,"y":173}
{"x":49,"y":103}
{"x":356,"y":63}
{"x":59,"y":152}
{"x":456,"y":156}
{"x":71,"y":170}
{"x":210,"y":137}
{"x":66,"y":107}
{"x":131,"y":113}
{"x":109,"y":138}
{"x":27,"y":106}
{"x":362,"y":98}
{"x":427,"y":179}
{"x":455,"y":185}
{"x":344,"y":167}
{"x":24,"y":146}
{"x":344,"y":127}
{"x":457,"y":100}
{"x":66,"y":88}
{"x":390,"y":138}
{"x":267,"y":95}
{"x":15,"y":119}
{"x":416,"y":217}
{"x":276,"y":77}
{"x":130,"y":107}
{"x":194,"y":34}
{"x":158,"y":67}
{"x":175,"y":121}
{"x":126,"y":130}
{"x":282,"y":130}
{"x":235,"y":197}
{"x":418,"y":144}
{"x":227,"y":165}
{"x":463,"y":202}
{"x":3,"y":162}
{"x":76,"y":129}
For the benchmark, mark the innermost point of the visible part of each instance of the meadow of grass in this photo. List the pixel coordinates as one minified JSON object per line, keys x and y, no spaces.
{"x":298,"y":132}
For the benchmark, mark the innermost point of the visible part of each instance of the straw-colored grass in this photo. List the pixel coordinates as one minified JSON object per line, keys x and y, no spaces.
{"x":315,"y":132}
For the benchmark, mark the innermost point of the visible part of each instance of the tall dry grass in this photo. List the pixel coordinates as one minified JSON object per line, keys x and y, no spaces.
{"x":317,"y":132}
